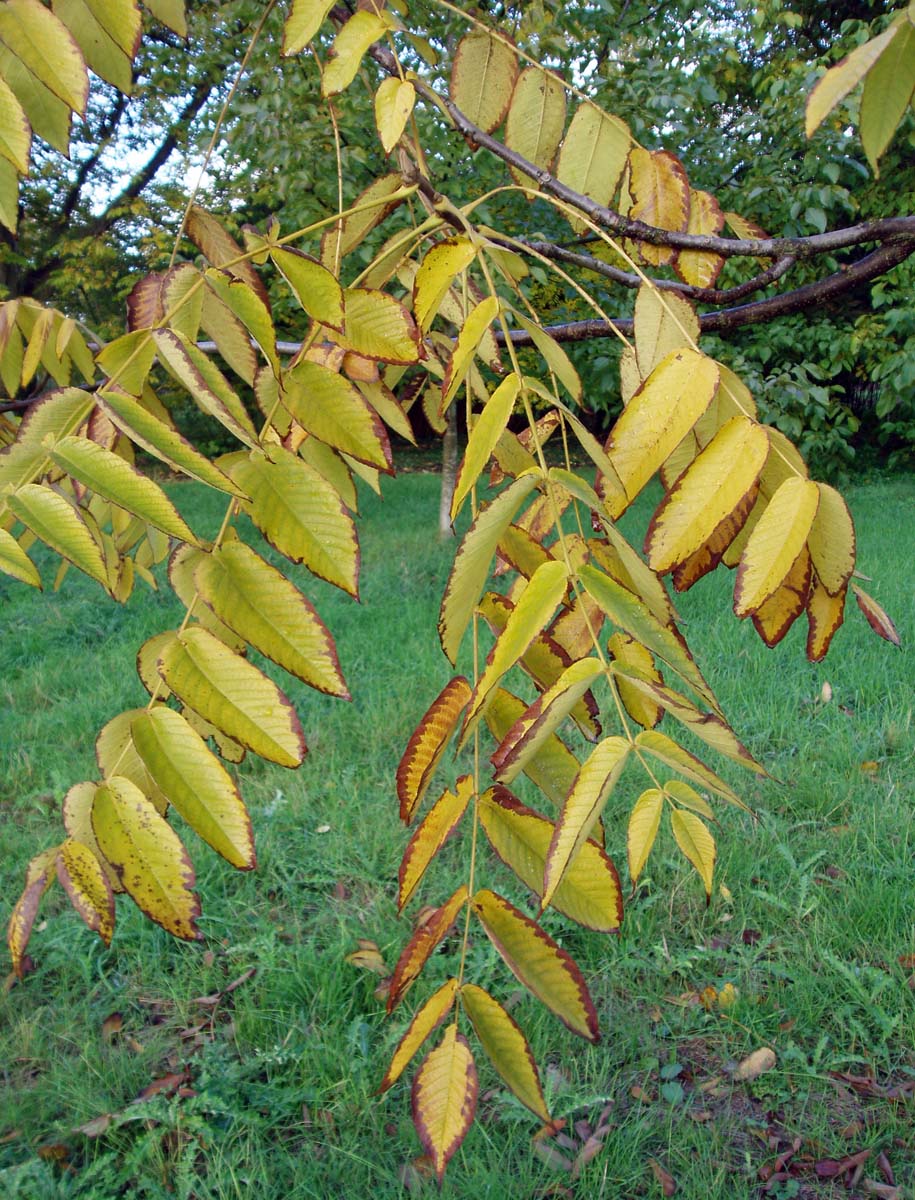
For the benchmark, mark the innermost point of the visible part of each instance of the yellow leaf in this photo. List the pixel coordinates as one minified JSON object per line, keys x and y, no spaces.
{"x":553,"y":768}
{"x":54,"y":520}
{"x":304,"y":21}
{"x":594,"y":783}
{"x":688,"y":797}
{"x":428,"y":743}
{"x":116,"y":754}
{"x":536,"y":120}
{"x":300,"y":514}
{"x":486,"y":431}
{"x":108,"y":37}
{"x":633,"y":656}
{"x":593,"y":155}
{"x":444,"y":1098}
{"x":590,"y":891}
{"x":335,"y":411}
{"x":14,"y":561}
{"x":472,"y":563}
{"x":431,"y":834}
{"x":148,"y":856}
{"x":698,"y":267}
{"x":315,"y":288}
{"x":840,"y":79}
{"x":664,"y":322}
{"x":825,"y":614}
{"x":660,"y":197}
{"x":887,"y":92}
{"x":775,"y":543}
{"x":416,"y":953}
{"x":483,"y":78}
{"x":350,"y":45}
{"x":552,"y":352}
{"x":394,"y":102}
{"x":776,"y":615}
{"x":378,"y":326}
{"x":193,"y":780}
{"x":22,"y":918}
{"x":15,"y":131}
{"x":660,"y":746}
{"x":756,"y":1064}
{"x":535,"y":959}
{"x":426,"y":1020}
{"x":374,"y":205}
{"x":644,"y":821}
{"x":506,"y":1047}
{"x":182,"y":567}
{"x":707,"y":493}
{"x":470,"y":335}
{"x":234,"y":695}
{"x":83,"y":879}
{"x":436,"y":273}
{"x":659,"y":415}
{"x":696,"y":843}
{"x":832,"y":541}
{"x":207,"y":385}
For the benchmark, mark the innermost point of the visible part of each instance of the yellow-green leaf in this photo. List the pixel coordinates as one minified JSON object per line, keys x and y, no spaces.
{"x":430,"y":835}
{"x":535,"y":959}
{"x":378,"y":326}
{"x":304,"y":20}
{"x":127,"y":360}
{"x":435,"y":275}
{"x":108,"y":38}
{"x":697,"y":844}
{"x":634,"y":658}
{"x":110,"y":476}
{"x":590,"y":891}
{"x":416,"y":953}
{"x":887,"y":93}
{"x":664,"y":322}
{"x":315,"y":288}
{"x":644,"y":821}
{"x":350,"y":45}
{"x":486,"y":431}
{"x":444,"y":1098}
{"x":195,"y":782}
{"x":301,"y":514}
{"x":506,"y":1047}
{"x":11,"y":360}
{"x":83,"y":879}
{"x":483,"y":78}
{"x":536,"y":120}
{"x":556,"y":358}
{"x":775,"y":543}
{"x":182,"y":565}
{"x":115,"y":754}
{"x":14,"y":561}
{"x":262,"y":606}
{"x":58,"y":523}
{"x":426,"y":1020}
{"x":233,"y":695}
{"x":206,"y":383}
{"x":661,"y":747}
{"x":553,"y":768}
{"x":170,"y":13}
{"x":22,"y":918}
{"x":594,"y":783}
{"x":222,"y":250}
{"x":231,"y":337}
{"x":77,"y":818}
{"x":147,"y":855}
{"x":472,"y":563}
{"x":428,"y":743}
{"x":469,"y":337}
{"x":707,"y":493}
{"x":536,"y":605}
{"x":374,"y":204}
{"x":659,"y":416}
{"x":43,"y":44}
{"x":15,"y":131}
{"x":593,"y":155}
{"x":832,"y":541}
{"x":250,"y":307}
{"x":331,"y":408}
{"x":688,"y":797}
{"x":840,"y":79}
{"x":394,"y":102}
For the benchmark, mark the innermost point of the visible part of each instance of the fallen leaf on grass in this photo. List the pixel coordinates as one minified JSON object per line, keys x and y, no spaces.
{"x":168,"y":1085}
{"x":664,"y":1178}
{"x":755,"y":1064}
{"x":212,"y":1000}
{"x":368,"y":957}
{"x":829,"y":1168}
{"x":96,"y":1127}
{"x":884,"y":1191}
{"x":112,"y":1025}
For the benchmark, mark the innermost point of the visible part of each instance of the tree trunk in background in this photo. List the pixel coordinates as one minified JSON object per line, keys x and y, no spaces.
{"x":449,"y":475}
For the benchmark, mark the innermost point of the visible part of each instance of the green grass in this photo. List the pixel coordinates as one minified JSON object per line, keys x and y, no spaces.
{"x":811,"y":913}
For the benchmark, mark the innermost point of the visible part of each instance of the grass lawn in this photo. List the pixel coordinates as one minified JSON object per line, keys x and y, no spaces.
{"x":812,"y":922}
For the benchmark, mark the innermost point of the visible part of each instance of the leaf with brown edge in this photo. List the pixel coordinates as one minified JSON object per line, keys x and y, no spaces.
{"x":444,"y":1098}
{"x":472,"y":330}
{"x":644,"y":822}
{"x":831,"y":541}
{"x":221,"y":250}
{"x":473,"y":561}
{"x":707,"y":494}
{"x":417,"y":950}
{"x":77,"y":818}
{"x":506,"y":1047}
{"x":708,"y":556}
{"x":378,"y":326}
{"x":593,"y":155}
{"x":83,"y":879}
{"x":195,"y":782}
{"x":182,"y":567}
{"x":543,"y":718}
{"x":349,"y":232}
{"x":231,"y":337}
{"x":594,"y":783}
{"x":60,"y":525}
{"x":775,"y":544}
{"x":660,"y":197}
{"x":825,"y":614}
{"x":697,"y":844}
{"x":544,"y":968}
{"x":698,"y":267}
{"x":249,"y":306}
{"x":554,"y":767}
{"x":535,"y":120}
{"x":425,"y":1022}
{"x":663,"y":748}
{"x":209,"y":388}
{"x":576,"y":627}
{"x":234,"y":695}
{"x":876,"y":616}
{"x":430,"y":835}
{"x":261,"y":605}
{"x":332,"y":409}
{"x":37,"y":878}
{"x":623,"y":564}
{"x":147,"y":854}
{"x":428,"y":743}
{"x":659,"y":416}
{"x":664,"y":322}
{"x":315,"y":288}
{"x":590,"y":893}
{"x":483,"y":78}
{"x":633,"y":656}
{"x":521,"y":551}
{"x":775,"y":617}
{"x":436,"y":273}
{"x":148,"y":664}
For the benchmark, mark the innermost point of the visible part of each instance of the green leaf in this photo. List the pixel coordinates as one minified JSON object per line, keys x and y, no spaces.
{"x":195,"y":782}
{"x":506,"y":1047}
{"x":535,"y":120}
{"x":887,"y":93}
{"x":331,"y":408}
{"x":250,"y":307}
{"x":300,"y":514}
{"x":147,"y":855}
{"x":58,"y":523}
{"x":262,"y":606}
{"x":315,"y":288}
{"x":233,"y":695}
{"x":110,"y":476}
{"x":127,"y":360}
{"x":472,"y":562}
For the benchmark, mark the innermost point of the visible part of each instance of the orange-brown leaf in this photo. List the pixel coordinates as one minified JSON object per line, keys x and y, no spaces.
{"x":421,"y":944}
{"x":825,"y":614}
{"x":876,"y":617}
{"x":660,"y":197}
{"x":428,"y":743}
{"x":776,"y":616}
{"x":22,"y":918}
